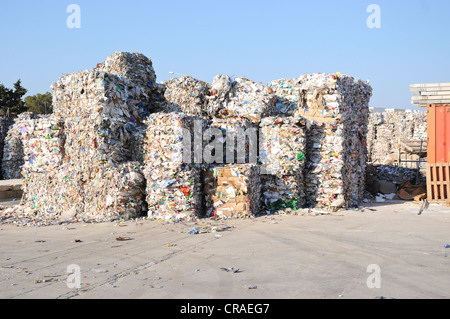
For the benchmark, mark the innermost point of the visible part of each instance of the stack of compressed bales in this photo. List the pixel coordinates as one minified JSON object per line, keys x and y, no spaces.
{"x":172,"y":165}
{"x":233,"y":182}
{"x":338,"y":108}
{"x":282,"y":157}
{"x":5,"y":123}
{"x":43,"y":148}
{"x":389,"y":128}
{"x":98,"y":178}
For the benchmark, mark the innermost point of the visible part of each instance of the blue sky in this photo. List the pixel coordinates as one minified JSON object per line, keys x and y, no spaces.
{"x":263,"y":40}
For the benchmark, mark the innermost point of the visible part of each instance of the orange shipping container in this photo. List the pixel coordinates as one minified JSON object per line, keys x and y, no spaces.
{"x":438,"y":133}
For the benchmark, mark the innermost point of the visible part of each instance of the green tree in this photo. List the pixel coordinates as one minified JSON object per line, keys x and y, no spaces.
{"x":11,"y":99}
{"x":39,"y":103}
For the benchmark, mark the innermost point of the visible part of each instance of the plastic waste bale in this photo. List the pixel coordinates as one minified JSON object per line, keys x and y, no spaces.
{"x":186,"y":95}
{"x":55,"y":193}
{"x":99,"y":116}
{"x":282,"y":157}
{"x":233,"y":191}
{"x":240,"y":97}
{"x":324,"y":173}
{"x":173,"y":162}
{"x":175,"y":193}
{"x":337,"y":106}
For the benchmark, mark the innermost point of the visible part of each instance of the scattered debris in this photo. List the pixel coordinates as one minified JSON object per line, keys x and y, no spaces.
{"x":123,"y":238}
{"x":231,"y":270}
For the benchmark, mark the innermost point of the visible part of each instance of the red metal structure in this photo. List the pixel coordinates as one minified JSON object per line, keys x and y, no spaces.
{"x":438,"y":167}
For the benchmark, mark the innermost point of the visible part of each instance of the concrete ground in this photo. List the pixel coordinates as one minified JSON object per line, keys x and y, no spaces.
{"x":282,"y":256}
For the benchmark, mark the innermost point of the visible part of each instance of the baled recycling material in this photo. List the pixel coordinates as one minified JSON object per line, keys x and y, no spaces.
{"x":119,"y":145}
{"x":233,"y":190}
{"x":338,"y":108}
{"x":282,"y":145}
{"x":172,"y":171}
{"x":282,"y":158}
{"x":187,"y":95}
{"x":388,"y":129}
{"x":287,"y":96}
{"x":235,"y":138}
{"x":240,"y":97}
{"x":13,"y":153}
{"x":98,"y":178}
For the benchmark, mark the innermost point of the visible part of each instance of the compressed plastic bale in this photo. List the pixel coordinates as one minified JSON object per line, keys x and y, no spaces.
{"x":233,"y":191}
{"x":100,"y":117}
{"x":5,"y":123}
{"x":134,"y":66}
{"x":174,"y":139}
{"x":186,"y":95}
{"x":53,"y":193}
{"x":324,"y":170}
{"x":43,"y":145}
{"x":240,"y":97}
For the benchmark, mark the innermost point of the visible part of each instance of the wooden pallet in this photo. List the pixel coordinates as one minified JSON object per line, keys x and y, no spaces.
{"x":438,"y":182}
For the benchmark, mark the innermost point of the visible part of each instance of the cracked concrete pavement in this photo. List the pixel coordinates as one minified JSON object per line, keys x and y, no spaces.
{"x":279,"y":256}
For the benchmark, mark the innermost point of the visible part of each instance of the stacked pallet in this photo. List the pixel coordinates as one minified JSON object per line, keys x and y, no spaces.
{"x":433,"y":93}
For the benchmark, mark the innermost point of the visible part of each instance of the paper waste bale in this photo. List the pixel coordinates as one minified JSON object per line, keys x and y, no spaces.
{"x":240,"y":97}
{"x":103,"y":114}
{"x":233,"y":191}
{"x":287,"y":96}
{"x":337,"y":107}
{"x":282,"y":157}
{"x":187,"y":95}
{"x":13,"y":155}
{"x":173,"y":165}
{"x":231,"y":141}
